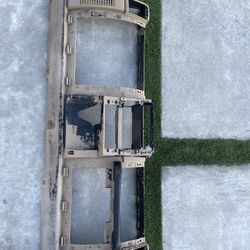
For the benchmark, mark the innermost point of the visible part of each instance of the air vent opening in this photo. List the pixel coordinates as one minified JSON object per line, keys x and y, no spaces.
{"x":109,"y":3}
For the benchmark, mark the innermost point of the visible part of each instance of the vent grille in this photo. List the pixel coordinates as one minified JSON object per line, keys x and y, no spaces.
{"x":98,"y":2}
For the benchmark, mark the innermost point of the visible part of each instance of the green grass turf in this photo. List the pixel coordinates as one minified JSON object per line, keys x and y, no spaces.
{"x":171,"y":152}
{"x":153,"y":91}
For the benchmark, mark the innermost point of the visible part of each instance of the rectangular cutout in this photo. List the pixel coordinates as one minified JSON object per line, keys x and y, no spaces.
{"x":107,"y":53}
{"x":126,"y":128}
{"x":110,"y":126}
{"x":129,"y":205}
{"x":90,"y":206}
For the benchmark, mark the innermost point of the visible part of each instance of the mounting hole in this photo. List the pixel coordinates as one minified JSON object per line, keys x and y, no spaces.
{"x":51,"y":124}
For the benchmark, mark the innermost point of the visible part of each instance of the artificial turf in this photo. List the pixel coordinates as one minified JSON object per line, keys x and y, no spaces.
{"x":153,"y":91}
{"x":172,"y":152}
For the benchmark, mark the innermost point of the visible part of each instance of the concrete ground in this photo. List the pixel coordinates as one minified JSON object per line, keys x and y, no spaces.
{"x":91,"y":205}
{"x":24,"y":25}
{"x":206,"y":207}
{"x":24,"y":28}
{"x":205,"y":74}
{"x":107,"y":53}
